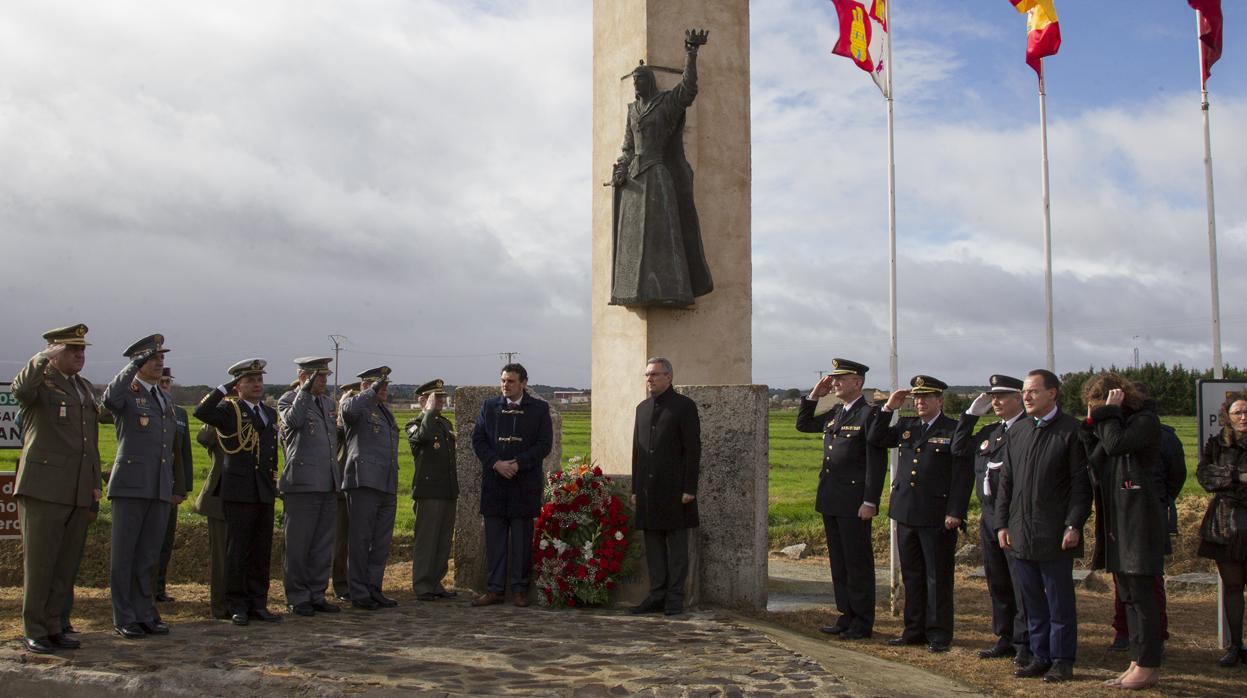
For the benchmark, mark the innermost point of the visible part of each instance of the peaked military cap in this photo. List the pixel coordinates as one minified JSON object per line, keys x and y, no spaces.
{"x":1004,"y":384}
{"x":926,"y":385}
{"x":248,"y":367}
{"x":379,"y":373}
{"x":349,"y":388}
{"x":319,"y":364}
{"x":844,"y":367}
{"x":153,"y":341}
{"x":74,"y":335}
{"x":166,"y":372}
{"x":433,"y":387}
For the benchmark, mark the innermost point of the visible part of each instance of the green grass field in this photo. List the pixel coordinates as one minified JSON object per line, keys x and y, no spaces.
{"x":794,"y":462}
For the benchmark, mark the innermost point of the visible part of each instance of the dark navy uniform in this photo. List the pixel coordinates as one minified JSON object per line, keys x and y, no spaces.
{"x":248,"y":488}
{"x":852,"y":474}
{"x":931,"y":483}
{"x":987,"y":447}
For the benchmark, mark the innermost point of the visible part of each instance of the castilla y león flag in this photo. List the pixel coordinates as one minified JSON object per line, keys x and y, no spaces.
{"x":1209,"y":31}
{"x":1043,"y":33}
{"x":864,"y":37}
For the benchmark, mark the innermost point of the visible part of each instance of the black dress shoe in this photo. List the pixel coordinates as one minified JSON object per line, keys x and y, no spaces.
{"x":647,"y":606}
{"x":832,"y":629}
{"x":240,"y":619}
{"x":1230,"y":658}
{"x":938,"y":647}
{"x":447,"y":594}
{"x":1121,"y":643}
{"x":68,"y":630}
{"x":342,"y":597}
{"x":673,"y":611}
{"x":264,"y":614}
{"x":156,"y":627}
{"x":164,"y":598}
{"x":998,"y":651}
{"x":303,"y":609}
{"x":38,"y":645}
{"x":902,"y":641}
{"x":428,"y":596}
{"x":1035,"y":669}
{"x":64,"y":643}
{"x":855,"y":634}
{"x":366,"y":604}
{"x":384,"y":601}
{"x":1024,"y":658}
{"x":130,"y":631}
{"x":1060,"y":672}
{"x":325,"y":607}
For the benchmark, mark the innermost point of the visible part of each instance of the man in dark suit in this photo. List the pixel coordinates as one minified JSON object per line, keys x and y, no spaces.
{"x":849,"y":486}
{"x":434,"y":490}
{"x":987,"y":447}
{"x":512,"y":436}
{"x":370,"y":480}
{"x":58,"y":480}
{"x":182,"y":445}
{"x":247,"y":430}
{"x":143,"y":485}
{"x":1044,"y":500}
{"x":666,"y":463}
{"x":930,"y":494}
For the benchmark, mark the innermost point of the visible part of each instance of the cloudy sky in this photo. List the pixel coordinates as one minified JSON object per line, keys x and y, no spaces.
{"x":249,"y":178}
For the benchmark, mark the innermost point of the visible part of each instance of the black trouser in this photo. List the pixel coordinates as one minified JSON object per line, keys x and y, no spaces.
{"x":1008,"y":617}
{"x":1138,"y":592}
{"x":248,"y":551}
{"x":666,"y":554}
{"x":927,"y":562}
{"x":852,"y":560}
{"x":342,"y":533}
{"x":501,"y":532}
{"x":166,"y":550}
{"x":217,"y":535}
{"x":1233,"y":577}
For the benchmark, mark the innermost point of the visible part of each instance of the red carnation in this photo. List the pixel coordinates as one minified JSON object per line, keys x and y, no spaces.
{"x":571,"y":601}
{"x":597,"y":471}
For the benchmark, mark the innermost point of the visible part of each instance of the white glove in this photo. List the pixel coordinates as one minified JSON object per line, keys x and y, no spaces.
{"x":981,"y":405}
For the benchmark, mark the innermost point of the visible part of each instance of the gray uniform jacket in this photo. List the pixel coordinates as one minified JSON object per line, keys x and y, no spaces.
{"x":371,"y":443}
{"x":309,"y":435}
{"x":145,"y":434}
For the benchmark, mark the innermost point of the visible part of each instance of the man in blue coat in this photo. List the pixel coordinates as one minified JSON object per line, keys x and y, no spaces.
{"x":512,"y":436}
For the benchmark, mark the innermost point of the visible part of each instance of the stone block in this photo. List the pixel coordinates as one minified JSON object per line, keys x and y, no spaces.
{"x":468,"y":548}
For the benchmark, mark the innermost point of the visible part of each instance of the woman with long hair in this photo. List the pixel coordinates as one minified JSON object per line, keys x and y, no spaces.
{"x":1123,"y":446}
{"x":1223,"y":534}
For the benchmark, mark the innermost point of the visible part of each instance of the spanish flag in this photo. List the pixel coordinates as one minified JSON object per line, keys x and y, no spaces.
{"x":1043,"y":32}
{"x":1210,"y":21}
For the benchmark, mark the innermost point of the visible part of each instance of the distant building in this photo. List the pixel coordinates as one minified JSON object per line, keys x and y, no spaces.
{"x":571,"y":397}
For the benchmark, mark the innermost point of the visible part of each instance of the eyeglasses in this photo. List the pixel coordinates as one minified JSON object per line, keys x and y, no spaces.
{"x":651,"y":374}
{"x":1239,"y":413}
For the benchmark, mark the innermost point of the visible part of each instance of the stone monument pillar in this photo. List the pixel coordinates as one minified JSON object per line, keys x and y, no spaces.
{"x":709,"y":343}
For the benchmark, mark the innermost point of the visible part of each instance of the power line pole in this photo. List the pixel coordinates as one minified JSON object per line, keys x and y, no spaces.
{"x":508,"y":355}
{"x":337,"y":340}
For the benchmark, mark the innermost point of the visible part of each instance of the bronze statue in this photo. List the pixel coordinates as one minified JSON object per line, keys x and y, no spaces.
{"x":658,"y":256}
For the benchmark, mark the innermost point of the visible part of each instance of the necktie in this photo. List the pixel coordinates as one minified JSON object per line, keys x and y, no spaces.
{"x":160,"y":405}
{"x":1039,"y":422}
{"x":259,"y":415}
{"x":513,"y":405}
{"x":320,"y":406}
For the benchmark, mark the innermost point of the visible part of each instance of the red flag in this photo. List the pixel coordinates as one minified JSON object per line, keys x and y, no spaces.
{"x":1043,"y":32}
{"x":1209,"y":31}
{"x":864,"y":37}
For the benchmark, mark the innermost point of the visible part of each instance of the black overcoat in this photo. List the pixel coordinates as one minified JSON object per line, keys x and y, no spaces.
{"x":931,"y":481}
{"x":666,"y":461}
{"x":853,"y":468}
{"x":987,"y":446}
{"x":1044,"y":487}
{"x":245,"y":477}
{"x":525,"y":435}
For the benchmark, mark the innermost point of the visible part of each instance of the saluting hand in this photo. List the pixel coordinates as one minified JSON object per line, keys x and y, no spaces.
{"x":981,"y":405}
{"x":896,"y":399}
{"x":53,"y":351}
{"x":823,"y":387}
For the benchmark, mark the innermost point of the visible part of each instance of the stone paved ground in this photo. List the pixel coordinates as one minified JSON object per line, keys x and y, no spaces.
{"x":445,"y":648}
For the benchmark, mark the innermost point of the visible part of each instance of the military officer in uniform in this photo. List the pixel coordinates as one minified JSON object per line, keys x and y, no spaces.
{"x":341,"y":586}
{"x":309,"y":486}
{"x":182,"y":444}
{"x":930,"y":495}
{"x":143,"y":486}
{"x":434,"y":490}
{"x":1004,"y":398}
{"x":209,"y":505}
{"x":247,"y":433}
{"x":371,"y":483}
{"x":849,"y":486}
{"x":511,"y":437}
{"x":58,"y":479}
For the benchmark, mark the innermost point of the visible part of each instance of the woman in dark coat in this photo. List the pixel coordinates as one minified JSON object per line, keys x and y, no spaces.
{"x":1123,"y":444}
{"x":1223,"y":471}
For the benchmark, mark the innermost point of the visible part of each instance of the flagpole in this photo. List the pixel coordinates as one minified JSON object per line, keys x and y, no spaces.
{"x":1047,"y":220}
{"x":893,"y":555}
{"x":1218,"y":372}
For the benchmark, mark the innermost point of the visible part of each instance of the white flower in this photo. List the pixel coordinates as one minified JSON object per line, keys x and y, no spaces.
{"x":588,"y":553}
{"x":544,"y":544}
{"x":618,"y":535}
{"x":559,"y":545}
